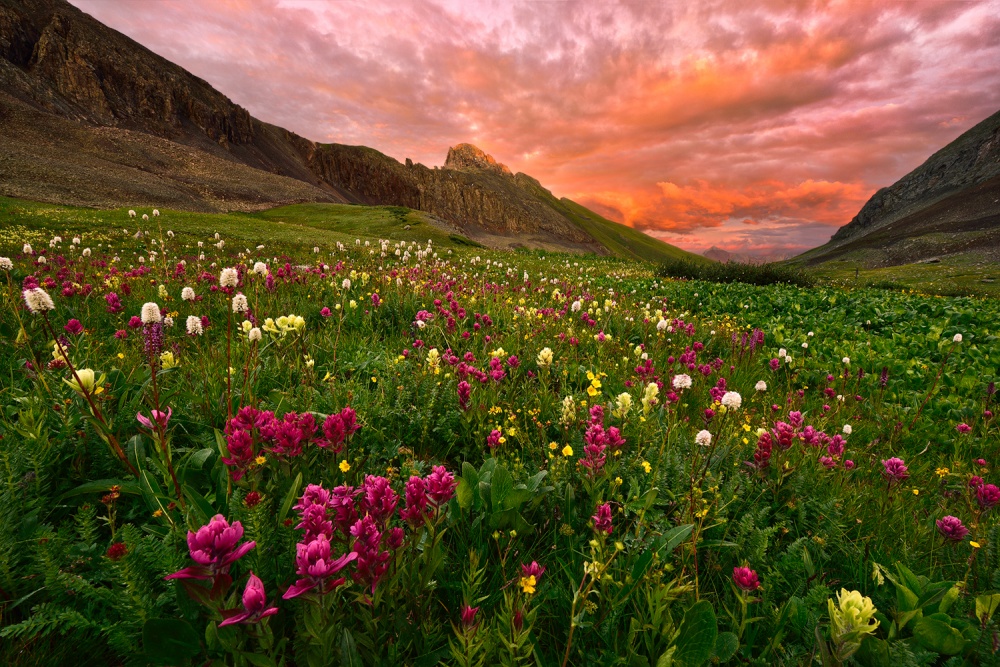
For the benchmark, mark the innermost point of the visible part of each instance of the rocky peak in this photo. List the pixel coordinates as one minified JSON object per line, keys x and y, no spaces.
{"x":467,"y":157}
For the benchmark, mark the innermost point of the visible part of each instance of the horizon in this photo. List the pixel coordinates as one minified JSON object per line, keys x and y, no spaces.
{"x":759,"y":130}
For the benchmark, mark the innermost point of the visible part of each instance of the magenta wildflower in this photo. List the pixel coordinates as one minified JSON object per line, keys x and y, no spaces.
{"x":378,"y":499}
{"x":951,"y":528}
{"x":988,"y":496}
{"x":963,"y":428}
{"x":469,"y":616}
{"x":214,"y":548}
{"x":745,"y":579}
{"x":440,"y":485}
{"x":464,"y":393}
{"x":416,"y":501}
{"x":372,"y":562}
{"x":74,"y":327}
{"x":895,"y":469}
{"x":602,"y":520}
{"x":160,"y":418}
{"x":533,"y":570}
{"x":313,"y":563}
{"x":254,"y":604}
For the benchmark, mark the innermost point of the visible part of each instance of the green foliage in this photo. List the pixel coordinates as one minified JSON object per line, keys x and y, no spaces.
{"x":736,"y":272}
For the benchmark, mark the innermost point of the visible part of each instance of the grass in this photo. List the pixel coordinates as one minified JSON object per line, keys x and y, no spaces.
{"x":300,"y":225}
{"x":953,"y":276}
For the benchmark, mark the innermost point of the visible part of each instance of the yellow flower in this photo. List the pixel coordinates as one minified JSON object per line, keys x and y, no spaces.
{"x":344,"y":466}
{"x":916,"y":492}
{"x":553,"y":446}
{"x":591,"y":391}
{"x":974,"y":544}
{"x":567,"y":451}
{"x":88,"y":383}
{"x":646,"y":466}
{"x":260,"y":460}
{"x":942,"y":472}
{"x":528,"y":584}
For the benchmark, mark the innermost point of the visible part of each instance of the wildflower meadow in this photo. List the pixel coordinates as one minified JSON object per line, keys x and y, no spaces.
{"x":218,"y":451}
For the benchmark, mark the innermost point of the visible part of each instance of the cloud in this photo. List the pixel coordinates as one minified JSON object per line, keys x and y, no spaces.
{"x":678,"y":117}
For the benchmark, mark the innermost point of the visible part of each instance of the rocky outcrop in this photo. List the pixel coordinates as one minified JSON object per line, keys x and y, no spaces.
{"x":468,"y":157}
{"x":970,"y":160}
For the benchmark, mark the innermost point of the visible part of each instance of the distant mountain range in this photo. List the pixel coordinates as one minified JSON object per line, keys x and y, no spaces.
{"x":948,"y":206}
{"x":90,"y":117}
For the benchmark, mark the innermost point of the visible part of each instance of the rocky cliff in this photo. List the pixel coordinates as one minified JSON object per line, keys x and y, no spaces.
{"x":91,"y":117}
{"x":971,"y":159}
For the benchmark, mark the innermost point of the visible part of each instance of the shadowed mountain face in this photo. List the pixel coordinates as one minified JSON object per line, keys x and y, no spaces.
{"x":90,"y":117}
{"x":948,"y":205}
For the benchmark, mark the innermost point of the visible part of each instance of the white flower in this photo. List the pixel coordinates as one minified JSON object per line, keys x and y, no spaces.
{"x":38,"y":300}
{"x":544,"y":358}
{"x":156,"y":213}
{"x":76,"y":240}
{"x":6,"y":264}
{"x":240,"y":304}
{"x":168,"y":321}
{"x":847,"y":361}
{"x":150,"y":313}
{"x":254,"y":335}
{"x":575,"y":307}
{"x":847,"y":429}
{"x":86,"y":252}
{"x":761,"y":386}
{"x":732,"y":400}
{"x":194,"y":325}
{"x":810,"y":334}
{"x":704,"y":438}
{"x":624,"y":404}
{"x":42,"y":260}
{"x":957,"y":338}
{"x":27,"y":249}
{"x":346,"y":284}
{"x":260,"y":268}
{"x":661,"y":325}
{"x":805,"y":345}
{"x":229,"y":278}
{"x":187,"y":294}
{"x":131,"y":213}
{"x":782,"y":353}
{"x":145,"y":217}
{"x":681,"y":381}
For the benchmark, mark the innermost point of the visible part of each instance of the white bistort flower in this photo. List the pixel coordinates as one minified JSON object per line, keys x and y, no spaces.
{"x":254,"y":335}
{"x":229,"y":278}
{"x":682,"y":381}
{"x":957,"y":338}
{"x":346,"y":284}
{"x":761,"y":386}
{"x":6,"y":264}
{"x":704,"y":438}
{"x":732,"y":400}
{"x":260,"y":268}
{"x":168,"y":321}
{"x":240,"y":304}
{"x":194,"y":325}
{"x":38,"y":300}
{"x":187,"y":294}
{"x":150,"y":313}
{"x":847,"y":429}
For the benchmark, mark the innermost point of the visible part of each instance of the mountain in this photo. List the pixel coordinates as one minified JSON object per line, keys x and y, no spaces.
{"x":90,"y":117}
{"x":949,"y":205}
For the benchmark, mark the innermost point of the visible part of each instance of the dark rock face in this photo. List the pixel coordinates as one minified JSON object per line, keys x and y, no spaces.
{"x":970,"y":160}
{"x":98,"y":88}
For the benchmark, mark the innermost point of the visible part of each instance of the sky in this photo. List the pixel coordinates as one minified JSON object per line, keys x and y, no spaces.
{"x":758,"y":126}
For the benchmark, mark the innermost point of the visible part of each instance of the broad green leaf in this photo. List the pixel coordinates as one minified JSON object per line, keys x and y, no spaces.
{"x":501,"y":485}
{"x":293,"y":493}
{"x":986,"y":606}
{"x":697,"y":635}
{"x":936,"y":635}
{"x":349,"y":651}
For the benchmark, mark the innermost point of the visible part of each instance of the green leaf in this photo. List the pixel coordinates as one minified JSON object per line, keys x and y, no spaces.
{"x":673,"y":537}
{"x":349,"y":651}
{"x":516,"y":498}
{"x":501,"y":486}
{"x":463,"y":494}
{"x":101,"y":486}
{"x":726,"y":645}
{"x":936,"y":635}
{"x":986,"y":606}
{"x":697,"y":635}
{"x":199,"y":503}
{"x":169,"y":641}
{"x":874,"y":652}
{"x":293,"y":493}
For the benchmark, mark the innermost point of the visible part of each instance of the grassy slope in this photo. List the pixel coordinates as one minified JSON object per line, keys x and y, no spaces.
{"x":621,"y":239}
{"x":960,"y":275}
{"x":300,"y":224}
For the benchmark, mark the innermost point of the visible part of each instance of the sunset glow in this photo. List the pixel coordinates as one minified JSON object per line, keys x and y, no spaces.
{"x":754,"y":126}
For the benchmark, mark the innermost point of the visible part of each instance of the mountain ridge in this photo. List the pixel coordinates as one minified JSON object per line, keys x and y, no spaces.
{"x":142,"y":130}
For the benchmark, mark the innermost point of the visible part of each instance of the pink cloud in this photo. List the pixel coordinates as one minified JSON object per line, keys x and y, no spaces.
{"x":687,"y":118}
